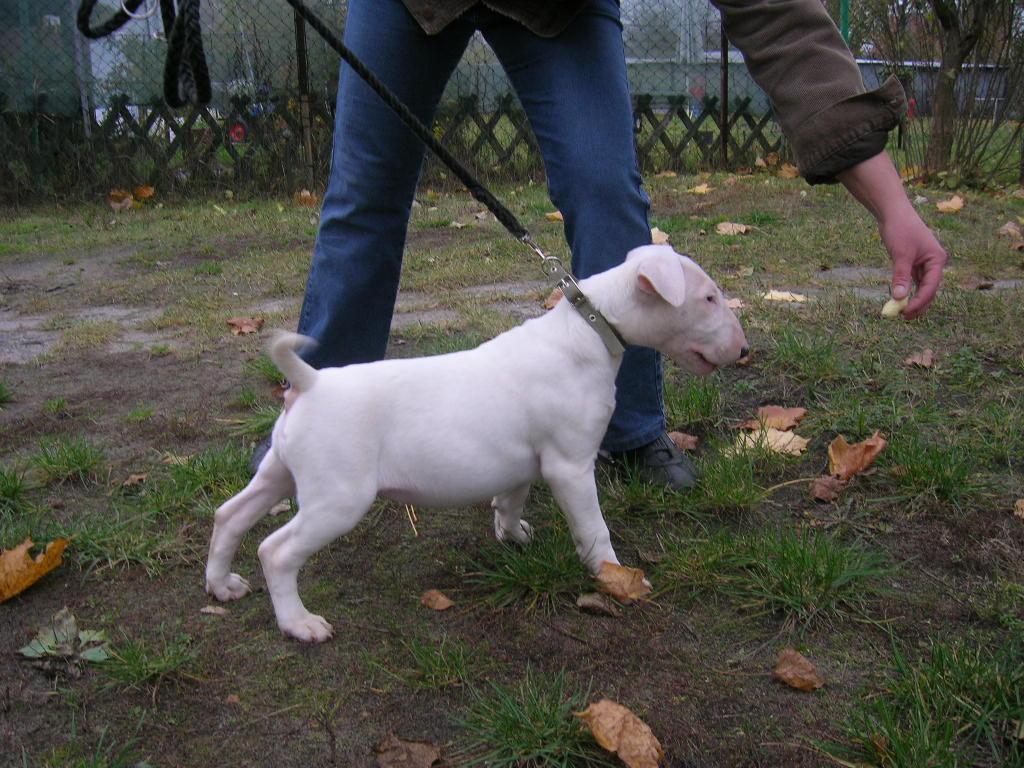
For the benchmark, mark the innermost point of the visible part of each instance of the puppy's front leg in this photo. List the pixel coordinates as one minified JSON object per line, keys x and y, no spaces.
{"x":576,"y":493}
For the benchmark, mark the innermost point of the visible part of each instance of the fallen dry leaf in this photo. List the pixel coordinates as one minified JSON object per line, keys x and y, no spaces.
{"x":553,"y":298}
{"x":394,"y":752}
{"x":954,"y":205}
{"x":845,"y":460}
{"x":1010,"y":229}
{"x":436,"y":600}
{"x":784,"y":296}
{"x":683,"y":441}
{"x":619,"y":731}
{"x":775,"y":440}
{"x":554,"y":216}
{"x":911,"y":172}
{"x":759,"y":162}
{"x":19,"y":571}
{"x":743,"y":272}
{"x":666,"y":175}
{"x":775,"y":416}
{"x":658,"y":237}
{"x":623,"y":583}
{"x":789,"y":171}
{"x":132,"y":480}
{"x":731,"y":228}
{"x":796,"y":671}
{"x":827,"y":488}
{"x":1018,"y":509}
{"x":595,"y":602}
{"x":281,"y":506}
{"x":700,"y":189}
{"x":120,"y":200}
{"x":214,"y":610}
{"x":143,"y":192}
{"x":735,"y":303}
{"x":175,"y":460}
{"x":306,"y":199}
{"x":923,"y":359}
{"x":245,"y":325}
{"x":232,"y":698}
{"x":771,"y":159}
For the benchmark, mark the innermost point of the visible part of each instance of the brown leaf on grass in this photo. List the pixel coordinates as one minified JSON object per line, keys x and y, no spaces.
{"x":731,"y":228}
{"x":747,"y":271}
{"x":619,"y":731}
{"x":923,"y":359}
{"x":700,"y":189}
{"x":554,"y":216}
{"x":683,"y":441}
{"x":595,"y":602}
{"x":658,"y":237}
{"x":1018,"y":509}
{"x":775,"y":440}
{"x":827,"y":488}
{"x":174,"y":460}
{"x":436,"y":600}
{"x":394,"y":752}
{"x":771,"y":159}
{"x":787,"y":296}
{"x":1010,"y":229}
{"x":143,"y":192}
{"x":214,"y":610}
{"x":623,"y":583}
{"x":19,"y":570}
{"x":666,"y":175}
{"x":735,"y":303}
{"x":553,"y":298}
{"x":120,"y":200}
{"x":845,"y":460}
{"x":775,"y":416}
{"x":954,"y":205}
{"x":306,"y":199}
{"x":132,"y":480}
{"x":789,"y":171}
{"x":245,"y":325}
{"x":796,"y":671}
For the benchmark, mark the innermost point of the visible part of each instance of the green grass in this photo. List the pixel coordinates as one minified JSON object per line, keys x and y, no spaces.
{"x":6,"y":393}
{"x":140,"y":663}
{"x":692,"y":400}
{"x":12,"y":491}
{"x":55,"y":406}
{"x":198,"y":485}
{"x":928,"y":469}
{"x":542,"y":575}
{"x":140,"y":414}
{"x":801,"y":577}
{"x":528,"y":725}
{"x":70,"y":460}
{"x":808,"y":358}
{"x":259,"y":423}
{"x":961,"y":704}
{"x":264,"y":368}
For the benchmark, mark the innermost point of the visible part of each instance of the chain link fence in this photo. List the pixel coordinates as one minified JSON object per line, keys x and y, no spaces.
{"x":80,"y":117}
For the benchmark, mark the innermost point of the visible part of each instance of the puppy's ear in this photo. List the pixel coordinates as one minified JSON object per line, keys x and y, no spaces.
{"x":662,"y":275}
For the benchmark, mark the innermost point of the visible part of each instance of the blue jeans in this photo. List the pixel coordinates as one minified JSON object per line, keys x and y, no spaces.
{"x":575,"y":93}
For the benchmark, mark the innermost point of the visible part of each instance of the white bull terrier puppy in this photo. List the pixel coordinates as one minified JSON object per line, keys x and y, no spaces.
{"x":460,"y":428}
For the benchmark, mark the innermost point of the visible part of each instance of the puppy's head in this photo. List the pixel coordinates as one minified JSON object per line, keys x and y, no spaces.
{"x":681,"y":312}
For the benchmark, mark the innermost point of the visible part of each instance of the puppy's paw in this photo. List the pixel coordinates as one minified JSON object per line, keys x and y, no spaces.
{"x":232,"y":588}
{"x":520,"y":533}
{"x":309,"y":629}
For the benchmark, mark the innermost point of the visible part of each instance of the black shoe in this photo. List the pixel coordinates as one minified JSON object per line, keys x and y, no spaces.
{"x":262,"y":449}
{"x":661,"y":463}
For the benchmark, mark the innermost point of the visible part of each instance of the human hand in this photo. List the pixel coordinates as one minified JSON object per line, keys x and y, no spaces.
{"x":917,"y":257}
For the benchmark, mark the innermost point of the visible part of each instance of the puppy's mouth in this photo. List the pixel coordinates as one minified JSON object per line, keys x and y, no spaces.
{"x":704,"y":365}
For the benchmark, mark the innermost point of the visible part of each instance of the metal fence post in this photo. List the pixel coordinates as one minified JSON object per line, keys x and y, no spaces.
{"x":723,"y":131}
{"x":305,"y":118}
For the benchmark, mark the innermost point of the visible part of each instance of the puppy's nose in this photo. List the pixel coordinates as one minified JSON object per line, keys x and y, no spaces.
{"x":744,"y":352}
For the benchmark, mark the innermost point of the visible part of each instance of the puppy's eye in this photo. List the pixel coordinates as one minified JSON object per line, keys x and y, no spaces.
{"x":711,"y":299}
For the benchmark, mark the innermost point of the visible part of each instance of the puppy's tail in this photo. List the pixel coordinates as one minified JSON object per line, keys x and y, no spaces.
{"x":300,"y":374}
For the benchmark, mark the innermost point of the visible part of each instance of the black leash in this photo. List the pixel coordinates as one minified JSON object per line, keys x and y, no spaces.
{"x":187,"y":81}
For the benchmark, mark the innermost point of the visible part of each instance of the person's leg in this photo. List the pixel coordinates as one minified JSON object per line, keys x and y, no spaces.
{"x":357,"y":259}
{"x":575,"y":92}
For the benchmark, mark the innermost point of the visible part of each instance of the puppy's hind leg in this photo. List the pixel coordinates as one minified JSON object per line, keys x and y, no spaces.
{"x":508,"y":510}
{"x":317,"y":523}
{"x":235,"y":517}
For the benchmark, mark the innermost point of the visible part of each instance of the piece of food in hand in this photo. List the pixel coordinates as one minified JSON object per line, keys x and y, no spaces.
{"x":893,"y":307}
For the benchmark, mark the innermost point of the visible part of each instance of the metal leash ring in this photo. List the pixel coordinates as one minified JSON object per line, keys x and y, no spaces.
{"x":139,"y":16}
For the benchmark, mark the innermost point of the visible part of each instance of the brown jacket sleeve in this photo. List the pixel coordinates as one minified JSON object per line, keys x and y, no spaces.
{"x":795,"y":53}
